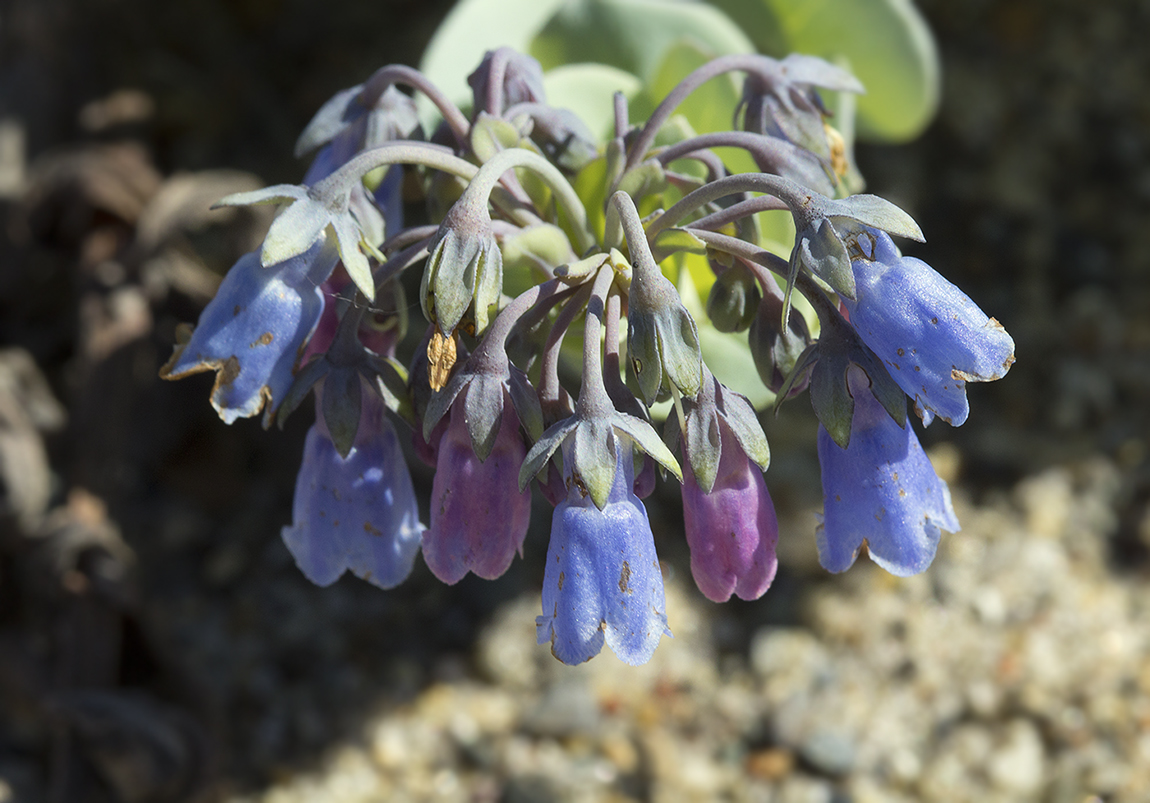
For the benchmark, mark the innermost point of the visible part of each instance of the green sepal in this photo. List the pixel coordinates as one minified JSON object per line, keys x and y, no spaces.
{"x":390,"y":380}
{"x":821,"y":251}
{"x":876,"y":212}
{"x":704,"y":441}
{"x":294,"y":231}
{"x":441,"y":401}
{"x":341,"y":403}
{"x":307,"y":377}
{"x":645,"y":436}
{"x":277,"y":194}
{"x":540,"y":453}
{"x":349,"y":237}
{"x":593,"y":459}
{"x":661,"y":335}
{"x":839,"y":347}
{"x":327,"y":122}
{"x":483,"y":412}
{"x":803,"y":364}
{"x":830,"y":397}
{"x":740,"y":416}
{"x":465,"y":267}
{"x":525,"y":399}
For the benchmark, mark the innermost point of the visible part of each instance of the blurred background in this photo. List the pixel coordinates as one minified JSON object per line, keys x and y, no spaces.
{"x":158,"y":644}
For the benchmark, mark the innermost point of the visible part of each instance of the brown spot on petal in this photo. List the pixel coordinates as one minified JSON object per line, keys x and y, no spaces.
{"x":901,"y":352}
{"x":625,"y":578}
{"x":368,"y":528}
{"x":228,"y":371}
{"x":263,"y":340}
{"x":561,"y":578}
{"x":236,"y":310}
{"x":934,"y":321}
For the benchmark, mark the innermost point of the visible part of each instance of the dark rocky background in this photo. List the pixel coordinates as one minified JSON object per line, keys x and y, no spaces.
{"x":156,"y":642}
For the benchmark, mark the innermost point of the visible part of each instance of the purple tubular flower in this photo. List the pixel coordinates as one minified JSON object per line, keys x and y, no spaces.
{"x":880,"y":491}
{"x":602,"y":582}
{"x":932,"y":337}
{"x":358,"y":513}
{"x":252,"y":333}
{"x":479,"y":517}
{"x":732,"y":531}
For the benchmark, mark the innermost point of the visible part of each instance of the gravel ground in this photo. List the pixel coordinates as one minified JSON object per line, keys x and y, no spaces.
{"x":157,"y":644}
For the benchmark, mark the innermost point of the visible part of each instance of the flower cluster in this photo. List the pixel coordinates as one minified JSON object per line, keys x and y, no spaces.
{"x":530,"y":226}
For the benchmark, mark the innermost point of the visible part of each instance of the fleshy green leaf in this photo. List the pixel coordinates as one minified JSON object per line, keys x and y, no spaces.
{"x":588,"y":90}
{"x":633,"y":34}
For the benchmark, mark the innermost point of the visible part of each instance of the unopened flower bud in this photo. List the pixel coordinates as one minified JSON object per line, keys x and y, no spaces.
{"x":734,"y":299}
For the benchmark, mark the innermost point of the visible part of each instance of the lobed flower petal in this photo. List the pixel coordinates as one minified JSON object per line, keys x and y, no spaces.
{"x":602,"y":584}
{"x":252,"y":333}
{"x":930,"y":334}
{"x":358,"y":513}
{"x":731,"y":531}
{"x":479,"y":516}
{"x":880,"y":491}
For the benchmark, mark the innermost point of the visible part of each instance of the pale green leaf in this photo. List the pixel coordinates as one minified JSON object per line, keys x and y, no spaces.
{"x":633,"y":34}
{"x":588,"y":90}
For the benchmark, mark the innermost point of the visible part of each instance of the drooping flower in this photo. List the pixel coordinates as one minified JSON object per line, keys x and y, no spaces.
{"x":602,"y":584}
{"x":731,"y":529}
{"x":880,"y":491}
{"x":479,"y":516}
{"x":358,"y":513}
{"x":253,"y":332}
{"x":930,"y":334}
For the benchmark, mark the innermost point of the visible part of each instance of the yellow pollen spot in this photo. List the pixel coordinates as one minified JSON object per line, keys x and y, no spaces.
{"x":441,"y":354}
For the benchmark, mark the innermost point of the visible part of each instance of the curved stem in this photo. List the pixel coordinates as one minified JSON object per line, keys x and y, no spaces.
{"x":549,"y":366}
{"x":643,"y":265}
{"x":751,"y":206}
{"x":489,"y":174}
{"x":406,"y":237}
{"x":622,"y":114}
{"x":715,"y":167}
{"x":611,"y":370}
{"x":746,"y":62}
{"x":593,"y":399}
{"x":330,"y":189}
{"x":384,"y":77}
{"x":793,"y":194}
{"x":755,"y":256}
{"x":493,"y":102}
{"x":743,"y":250}
{"x":491,"y":351}
{"x":401,"y":262}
